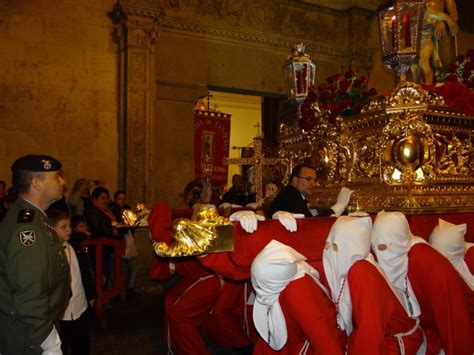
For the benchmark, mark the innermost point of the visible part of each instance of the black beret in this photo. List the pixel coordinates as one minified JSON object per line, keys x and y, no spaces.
{"x":36,"y":163}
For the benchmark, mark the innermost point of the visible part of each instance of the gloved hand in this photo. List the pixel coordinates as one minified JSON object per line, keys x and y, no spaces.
{"x":248,"y":220}
{"x":255,"y":205}
{"x":52,"y":344}
{"x":342,"y":201}
{"x":287,"y":219}
{"x":225,"y":205}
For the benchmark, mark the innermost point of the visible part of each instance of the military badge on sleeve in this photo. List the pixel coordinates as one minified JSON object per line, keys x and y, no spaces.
{"x":27,"y":238}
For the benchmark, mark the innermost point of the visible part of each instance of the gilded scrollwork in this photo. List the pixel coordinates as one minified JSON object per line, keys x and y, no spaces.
{"x":454,"y":155}
{"x":409,"y":152}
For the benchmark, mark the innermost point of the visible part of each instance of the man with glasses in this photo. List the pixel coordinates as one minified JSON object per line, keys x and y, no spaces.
{"x":291,"y":203}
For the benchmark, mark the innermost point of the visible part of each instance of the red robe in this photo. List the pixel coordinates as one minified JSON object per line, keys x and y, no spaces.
{"x":309,"y":315}
{"x":200,"y":302}
{"x":377,"y":314}
{"x":441,"y":294}
{"x":227,"y":325}
{"x":187,"y":305}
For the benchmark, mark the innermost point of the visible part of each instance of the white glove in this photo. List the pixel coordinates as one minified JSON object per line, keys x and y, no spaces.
{"x":225,"y":205}
{"x":52,"y":344}
{"x":255,"y":205}
{"x":342,"y":201}
{"x":248,"y":220}
{"x":287,"y":219}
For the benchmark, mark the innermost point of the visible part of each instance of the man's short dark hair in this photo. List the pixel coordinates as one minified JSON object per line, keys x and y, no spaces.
{"x":77,"y":219}
{"x":297,"y":169}
{"x":191,"y":185}
{"x":3,"y":183}
{"x":119,"y":192}
{"x":55,"y":216}
{"x":22,"y":179}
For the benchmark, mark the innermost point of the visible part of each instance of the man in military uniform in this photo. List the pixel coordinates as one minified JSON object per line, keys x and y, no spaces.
{"x":34,"y":272}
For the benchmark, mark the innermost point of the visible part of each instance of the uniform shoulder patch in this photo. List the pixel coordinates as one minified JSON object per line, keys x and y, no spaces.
{"x":28,"y":238}
{"x":25,"y":216}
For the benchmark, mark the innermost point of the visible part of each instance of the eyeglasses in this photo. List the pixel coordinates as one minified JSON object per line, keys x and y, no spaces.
{"x":307,"y":178}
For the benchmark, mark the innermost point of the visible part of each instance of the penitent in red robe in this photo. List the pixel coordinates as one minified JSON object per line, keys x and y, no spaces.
{"x":201,"y":302}
{"x":441,"y":294}
{"x":309,"y":315}
{"x":377,"y":314}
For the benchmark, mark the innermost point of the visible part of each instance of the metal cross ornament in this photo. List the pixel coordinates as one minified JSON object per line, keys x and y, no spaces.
{"x":258,"y":161}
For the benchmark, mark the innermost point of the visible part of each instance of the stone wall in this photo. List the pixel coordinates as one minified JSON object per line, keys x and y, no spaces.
{"x":58,"y":86}
{"x":234,"y":45}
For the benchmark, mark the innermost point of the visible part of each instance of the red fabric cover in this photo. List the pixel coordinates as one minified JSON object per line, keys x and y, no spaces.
{"x":422,"y":225}
{"x":222,"y":264}
{"x":441,"y":294}
{"x":377,"y":314}
{"x":309,"y":314}
{"x":469,"y":259}
{"x":309,"y":240}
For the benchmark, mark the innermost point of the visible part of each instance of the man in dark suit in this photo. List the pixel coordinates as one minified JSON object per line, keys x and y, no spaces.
{"x":291,"y":202}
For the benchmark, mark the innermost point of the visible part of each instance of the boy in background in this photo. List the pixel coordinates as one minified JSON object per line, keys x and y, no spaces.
{"x":74,"y":324}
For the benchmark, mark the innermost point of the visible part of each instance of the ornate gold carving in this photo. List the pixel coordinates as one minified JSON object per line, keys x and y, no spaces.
{"x":409,"y":152}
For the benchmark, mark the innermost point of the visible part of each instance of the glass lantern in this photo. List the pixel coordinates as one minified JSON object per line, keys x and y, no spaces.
{"x":299,"y":73}
{"x":400,"y":23}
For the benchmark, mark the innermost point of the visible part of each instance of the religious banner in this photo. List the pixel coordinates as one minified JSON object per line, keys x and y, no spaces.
{"x":211,"y":144}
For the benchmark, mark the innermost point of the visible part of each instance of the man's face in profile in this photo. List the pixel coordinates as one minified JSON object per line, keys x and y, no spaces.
{"x":305,"y":182}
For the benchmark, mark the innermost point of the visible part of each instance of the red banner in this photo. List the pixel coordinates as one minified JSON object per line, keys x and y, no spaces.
{"x":211,"y":141}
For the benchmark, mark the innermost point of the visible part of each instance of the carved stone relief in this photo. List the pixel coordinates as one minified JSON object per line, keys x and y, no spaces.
{"x":271,"y":19}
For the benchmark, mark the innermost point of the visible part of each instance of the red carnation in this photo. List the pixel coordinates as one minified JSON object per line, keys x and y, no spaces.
{"x":372,"y":92}
{"x":346,"y":103}
{"x":452,"y":67}
{"x":350,"y":74}
{"x":343,"y":86}
{"x":452,"y":77}
{"x":332,"y":106}
{"x":334,"y":78}
{"x":469,"y":65}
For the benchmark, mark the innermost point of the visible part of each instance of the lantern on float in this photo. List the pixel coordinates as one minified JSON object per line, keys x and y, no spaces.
{"x":400,"y":24}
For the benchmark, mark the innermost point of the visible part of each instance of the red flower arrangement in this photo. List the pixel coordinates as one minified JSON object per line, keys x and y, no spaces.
{"x":458,"y":88}
{"x":462,"y":70}
{"x":341,"y":95}
{"x":456,"y":95}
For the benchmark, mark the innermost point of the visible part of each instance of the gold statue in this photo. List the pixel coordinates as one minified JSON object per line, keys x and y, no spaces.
{"x":199,"y":236}
{"x":434,"y":30}
{"x":136,"y":217}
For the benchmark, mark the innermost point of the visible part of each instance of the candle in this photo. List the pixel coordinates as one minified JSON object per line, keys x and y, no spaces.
{"x":394,"y":33}
{"x":406,"y":30}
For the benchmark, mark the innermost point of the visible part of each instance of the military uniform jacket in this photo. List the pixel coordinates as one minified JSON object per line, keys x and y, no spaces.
{"x":34,"y":279}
